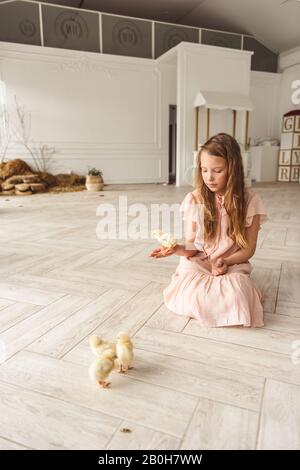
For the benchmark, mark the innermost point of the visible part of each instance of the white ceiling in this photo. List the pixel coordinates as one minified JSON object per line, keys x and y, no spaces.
{"x":275,"y":23}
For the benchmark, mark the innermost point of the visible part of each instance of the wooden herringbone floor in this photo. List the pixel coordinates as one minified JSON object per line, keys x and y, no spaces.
{"x":191,"y":388}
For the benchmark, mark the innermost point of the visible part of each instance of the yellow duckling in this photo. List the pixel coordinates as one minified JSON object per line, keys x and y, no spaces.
{"x":101,"y":367}
{"x":166,"y":239}
{"x":98,"y":345}
{"x":124,"y":352}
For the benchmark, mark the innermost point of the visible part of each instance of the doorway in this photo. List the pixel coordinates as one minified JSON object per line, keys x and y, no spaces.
{"x":172,"y":142}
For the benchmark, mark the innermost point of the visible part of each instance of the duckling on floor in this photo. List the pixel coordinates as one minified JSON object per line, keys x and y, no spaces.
{"x":124,"y":352}
{"x":101,"y":367}
{"x":99,"y":345}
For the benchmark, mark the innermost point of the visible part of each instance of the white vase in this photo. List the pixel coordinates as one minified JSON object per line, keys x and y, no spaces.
{"x":94,"y":183}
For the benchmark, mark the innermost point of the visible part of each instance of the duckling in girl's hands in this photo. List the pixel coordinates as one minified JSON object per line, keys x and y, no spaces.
{"x":168,"y":244}
{"x":166,"y":239}
{"x":124,"y":352}
{"x":101,"y":367}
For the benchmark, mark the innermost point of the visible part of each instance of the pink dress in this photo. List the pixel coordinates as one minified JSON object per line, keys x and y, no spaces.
{"x":224,"y":300}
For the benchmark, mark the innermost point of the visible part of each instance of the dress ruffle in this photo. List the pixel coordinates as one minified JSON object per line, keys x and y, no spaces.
{"x":255,"y":207}
{"x":230,"y":299}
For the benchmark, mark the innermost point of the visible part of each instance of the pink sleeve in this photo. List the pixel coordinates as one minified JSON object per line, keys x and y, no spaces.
{"x":188,"y":209}
{"x":255,"y":206}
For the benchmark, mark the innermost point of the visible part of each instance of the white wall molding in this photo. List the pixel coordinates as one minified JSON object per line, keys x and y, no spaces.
{"x":63,"y":88}
{"x":26,"y":51}
{"x":265,"y":77}
{"x":147,"y":170}
{"x":265,"y":92}
{"x":110,"y":66}
{"x":180,"y":143}
{"x":86,"y":149}
{"x":212,"y":50}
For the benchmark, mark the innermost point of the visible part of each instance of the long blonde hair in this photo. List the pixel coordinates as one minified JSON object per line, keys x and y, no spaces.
{"x":235,"y":202}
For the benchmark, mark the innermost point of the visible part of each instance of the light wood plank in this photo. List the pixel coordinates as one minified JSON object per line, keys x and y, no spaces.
{"x":20,"y":262}
{"x":51,"y":262}
{"x":225,"y":355}
{"x":12,"y":291}
{"x":259,"y":262}
{"x":49,"y":282}
{"x":132,"y":315}
{"x":258,"y":338}
{"x":27,"y":331}
{"x":141,"y":438}
{"x":275,"y":237}
{"x":41,"y":422}
{"x":217,"y":426}
{"x":286,"y":254}
{"x":282,"y":323}
{"x":287,"y":308}
{"x":280,"y":420}
{"x":71,"y":331}
{"x":166,"y":320}
{"x":5,"y":303}
{"x":103,"y":276}
{"x":15,"y":313}
{"x":267,"y":281}
{"x":152,"y":269}
{"x":289,"y":283}
{"x":293,"y":237}
{"x":10,"y":445}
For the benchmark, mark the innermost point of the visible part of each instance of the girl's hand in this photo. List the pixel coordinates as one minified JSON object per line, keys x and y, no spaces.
{"x":219,"y":267}
{"x":162,"y":252}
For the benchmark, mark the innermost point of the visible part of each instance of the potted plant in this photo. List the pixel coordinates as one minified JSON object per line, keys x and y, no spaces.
{"x":94,"y":180}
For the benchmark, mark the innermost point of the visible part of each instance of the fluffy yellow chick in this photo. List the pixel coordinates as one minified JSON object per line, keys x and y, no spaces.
{"x":101,"y":367}
{"x":166,"y":239}
{"x":124,"y":352}
{"x":98,"y":345}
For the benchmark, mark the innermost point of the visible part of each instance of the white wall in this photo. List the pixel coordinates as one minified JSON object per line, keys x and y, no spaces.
{"x":265,"y":117}
{"x":271,"y":95}
{"x":289,"y":64}
{"x":106,"y":111}
{"x":206,"y":68}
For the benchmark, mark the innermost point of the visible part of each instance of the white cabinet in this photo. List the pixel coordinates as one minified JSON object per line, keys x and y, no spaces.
{"x":247,"y":168}
{"x":264,"y":162}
